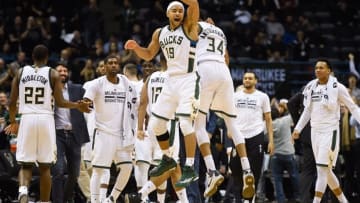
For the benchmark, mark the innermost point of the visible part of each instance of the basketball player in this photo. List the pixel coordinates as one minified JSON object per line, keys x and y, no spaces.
{"x":35,"y":87}
{"x":217,"y":93}
{"x":86,"y":168}
{"x":253,"y":108}
{"x":322,"y":98}
{"x":114,"y":99}
{"x":180,"y":94}
{"x":150,"y":148}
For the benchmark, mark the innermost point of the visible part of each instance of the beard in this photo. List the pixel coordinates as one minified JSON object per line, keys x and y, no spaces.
{"x":65,"y":80}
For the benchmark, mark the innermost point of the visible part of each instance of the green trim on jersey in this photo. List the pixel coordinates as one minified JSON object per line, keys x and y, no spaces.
{"x":50,"y":82}
{"x":203,"y":112}
{"x":197,"y":86}
{"x":182,"y":114}
{"x":123,"y":162}
{"x":105,"y":167}
{"x":200,"y":29}
{"x":21,"y":70}
{"x":224,"y":113}
{"x":93,"y":138}
{"x":333,"y":142}
{"x":172,"y":132}
{"x":322,"y":165}
{"x":143,"y":161}
{"x":161,"y":117}
{"x":192,"y":56}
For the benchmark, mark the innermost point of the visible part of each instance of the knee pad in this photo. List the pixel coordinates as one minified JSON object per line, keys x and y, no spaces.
{"x":157,"y":125}
{"x":235,"y":134}
{"x":202,"y":137}
{"x":186,"y":126}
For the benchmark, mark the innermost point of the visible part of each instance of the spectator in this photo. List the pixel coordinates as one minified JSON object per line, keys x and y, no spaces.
{"x":92,"y":21}
{"x":273,"y":26}
{"x":259,"y":48}
{"x":284,"y":156}
{"x":35,"y":33}
{"x":15,"y":32}
{"x":112,"y":39}
{"x":71,"y":134}
{"x":301,"y":47}
{"x":278,"y":50}
{"x":79,"y":48}
{"x":88,"y":72}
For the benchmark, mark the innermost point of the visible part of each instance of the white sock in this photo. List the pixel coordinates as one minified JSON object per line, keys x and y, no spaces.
{"x":23,"y":190}
{"x":103,"y":193}
{"x":166,"y":152}
{"x":317,"y":200}
{"x":161,"y":197}
{"x":245,"y":165}
{"x":182,"y":195}
{"x":189,"y":161}
{"x":147,"y":189}
{"x":209,"y":162}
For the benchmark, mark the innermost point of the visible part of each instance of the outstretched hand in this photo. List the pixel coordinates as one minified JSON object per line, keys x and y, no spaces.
{"x":84,"y":106}
{"x":131,"y":44}
{"x":12,"y":129}
{"x":141,"y":134}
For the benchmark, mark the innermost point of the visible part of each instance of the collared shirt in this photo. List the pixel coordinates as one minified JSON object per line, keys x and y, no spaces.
{"x":62,"y":115}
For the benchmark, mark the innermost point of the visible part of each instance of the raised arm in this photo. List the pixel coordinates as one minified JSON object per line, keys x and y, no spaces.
{"x":150,"y":51}
{"x":59,"y":99}
{"x":192,"y":18}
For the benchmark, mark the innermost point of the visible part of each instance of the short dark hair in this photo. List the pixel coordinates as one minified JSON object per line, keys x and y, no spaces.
{"x":40,"y":53}
{"x":352,"y":75}
{"x":252,"y":72}
{"x":62,"y":63}
{"x":326,"y":61}
{"x":131,"y":68}
{"x":110,"y":57}
{"x":275,"y":112}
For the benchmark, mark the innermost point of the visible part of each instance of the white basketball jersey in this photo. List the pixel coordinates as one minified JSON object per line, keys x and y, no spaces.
{"x":211,"y":44}
{"x":35,"y":91}
{"x":154,"y":88}
{"x":178,"y":50}
{"x":109,"y":103}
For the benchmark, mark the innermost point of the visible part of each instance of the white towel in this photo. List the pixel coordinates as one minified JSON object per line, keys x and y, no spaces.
{"x":129,"y":117}
{"x":330,"y":94}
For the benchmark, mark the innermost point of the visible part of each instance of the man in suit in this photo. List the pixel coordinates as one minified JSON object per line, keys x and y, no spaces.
{"x":71,"y":134}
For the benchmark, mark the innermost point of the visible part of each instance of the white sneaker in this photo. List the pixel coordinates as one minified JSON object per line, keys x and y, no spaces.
{"x":110,"y":199}
{"x":249,"y":185}
{"x":214,"y":179}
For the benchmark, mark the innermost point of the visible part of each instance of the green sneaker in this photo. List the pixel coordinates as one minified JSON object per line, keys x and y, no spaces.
{"x":188,"y":176}
{"x":165,"y":164}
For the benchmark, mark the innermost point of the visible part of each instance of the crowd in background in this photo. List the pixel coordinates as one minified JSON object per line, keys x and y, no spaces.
{"x":273,"y":31}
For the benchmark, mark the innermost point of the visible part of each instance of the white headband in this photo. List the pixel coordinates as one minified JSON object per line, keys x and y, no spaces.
{"x":174,"y":3}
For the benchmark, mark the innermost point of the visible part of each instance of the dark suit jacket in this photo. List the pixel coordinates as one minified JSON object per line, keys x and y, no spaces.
{"x":76,"y":93}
